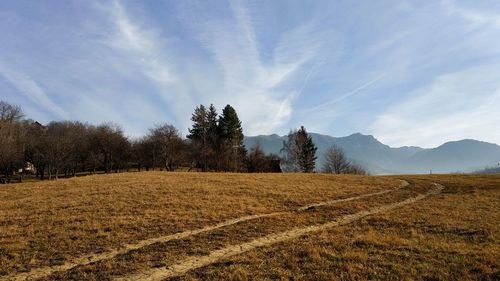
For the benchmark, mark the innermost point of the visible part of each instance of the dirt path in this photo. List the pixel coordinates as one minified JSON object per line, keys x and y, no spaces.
{"x":88,"y":259}
{"x":311,"y":206}
{"x":200,"y":261}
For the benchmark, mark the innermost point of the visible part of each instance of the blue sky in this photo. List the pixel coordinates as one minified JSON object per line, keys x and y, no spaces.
{"x":408,"y":72}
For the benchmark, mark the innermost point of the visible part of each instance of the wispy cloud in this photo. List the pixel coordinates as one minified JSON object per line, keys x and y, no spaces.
{"x":261,"y":91}
{"x":457,"y":105}
{"x":328,"y":65}
{"x":144,"y":47}
{"x":31,"y":90}
{"x":475,"y":17}
{"x":142,"y":43}
{"x":336,"y":100}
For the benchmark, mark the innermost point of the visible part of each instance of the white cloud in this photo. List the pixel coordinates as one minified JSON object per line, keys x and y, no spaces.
{"x":474,"y":17}
{"x":29,"y":88}
{"x":145,"y":48}
{"x":327,"y":105}
{"x":457,"y":105}
{"x":262,"y":92}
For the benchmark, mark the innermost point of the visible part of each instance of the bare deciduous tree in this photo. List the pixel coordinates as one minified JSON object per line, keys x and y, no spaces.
{"x":356,"y":169}
{"x":168,"y":143}
{"x":10,"y":113}
{"x":258,"y":162}
{"x":336,"y":162}
{"x":109,"y":146}
{"x":11,"y":139}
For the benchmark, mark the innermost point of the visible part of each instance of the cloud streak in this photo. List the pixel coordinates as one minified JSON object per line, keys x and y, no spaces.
{"x":31,"y":90}
{"x":261,"y":91}
{"x":345,"y":96}
{"x":474,"y":17}
{"x":140,"y":47}
{"x":456,"y":105}
{"x":333,"y":67}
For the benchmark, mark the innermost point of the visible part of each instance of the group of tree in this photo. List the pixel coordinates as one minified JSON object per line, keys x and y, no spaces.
{"x":299,"y":152}
{"x":217,"y":141}
{"x":11,"y":136}
{"x":67,"y":148}
{"x":214,"y":143}
{"x":61,"y":148}
{"x":299,"y":155}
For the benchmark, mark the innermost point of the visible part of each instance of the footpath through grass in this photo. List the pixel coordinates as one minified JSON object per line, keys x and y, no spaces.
{"x":453,"y":235}
{"x":50,"y":223}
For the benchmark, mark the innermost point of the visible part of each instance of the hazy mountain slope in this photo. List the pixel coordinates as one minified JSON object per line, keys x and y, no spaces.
{"x":378,"y":158}
{"x":465,"y":155}
{"x":491,"y":170}
{"x":268,"y":143}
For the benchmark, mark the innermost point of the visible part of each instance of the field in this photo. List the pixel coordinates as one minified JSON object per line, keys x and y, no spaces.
{"x":204,"y":226}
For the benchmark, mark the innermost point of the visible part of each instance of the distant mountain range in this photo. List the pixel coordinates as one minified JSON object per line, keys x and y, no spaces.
{"x":456,"y":156}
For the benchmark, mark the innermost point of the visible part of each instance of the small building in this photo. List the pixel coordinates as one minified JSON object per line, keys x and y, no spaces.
{"x":29,"y":167}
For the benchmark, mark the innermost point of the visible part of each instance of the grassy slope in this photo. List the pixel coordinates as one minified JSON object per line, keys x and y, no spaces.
{"x":452,"y":235}
{"x":46,"y":223}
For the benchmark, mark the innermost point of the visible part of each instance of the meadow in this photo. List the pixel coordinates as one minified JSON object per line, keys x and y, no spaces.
{"x":228,"y":226}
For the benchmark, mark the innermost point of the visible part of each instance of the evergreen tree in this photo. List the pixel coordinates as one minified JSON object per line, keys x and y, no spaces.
{"x":299,"y":152}
{"x":230,"y":126}
{"x":212,"y":127}
{"x":231,"y":137}
{"x":213,"y":139}
{"x":198,"y":135}
{"x":217,"y":140}
{"x":307,"y":157}
{"x":199,"y":130}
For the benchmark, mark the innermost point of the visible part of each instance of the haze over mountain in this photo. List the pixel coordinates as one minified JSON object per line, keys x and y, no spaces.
{"x":454,"y":156}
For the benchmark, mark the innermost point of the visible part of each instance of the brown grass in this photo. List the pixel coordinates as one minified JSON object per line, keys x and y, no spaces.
{"x":47,"y":223}
{"x":452,"y":236}
{"x":449,"y":236}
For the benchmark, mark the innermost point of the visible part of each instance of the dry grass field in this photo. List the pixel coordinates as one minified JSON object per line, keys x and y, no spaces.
{"x":202,"y":226}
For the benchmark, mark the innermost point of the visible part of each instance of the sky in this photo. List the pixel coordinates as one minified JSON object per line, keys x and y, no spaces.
{"x":408,"y":72}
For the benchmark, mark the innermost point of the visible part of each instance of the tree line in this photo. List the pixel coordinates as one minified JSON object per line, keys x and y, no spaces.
{"x":214,"y":143}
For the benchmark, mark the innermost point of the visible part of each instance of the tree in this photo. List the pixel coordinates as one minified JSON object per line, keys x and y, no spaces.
{"x":11,"y":152}
{"x":12,"y":139}
{"x":217,"y":141}
{"x":337,"y":163}
{"x":212,"y":145}
{"x":144,"y":153}
{"x":299,"y":152}
{"x":79,"y":147}
{"x":198,"y":135}
{"x":10,"y":113}
{"x":356,"y":169}
{"x":63,"y":145}
{"x":257,"y":161}
{"x":168,"y":144}
{"x":307,"y":157}
{"x":109,"y":147}
{"x":36,"y":143}
{"x":231,"y":139}
{"x":57,"y":147}
{"x":290,"y":153}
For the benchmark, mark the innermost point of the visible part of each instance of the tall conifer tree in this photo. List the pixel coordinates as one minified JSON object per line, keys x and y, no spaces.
{"x":231,"y":134}
{"x":198,"y":135}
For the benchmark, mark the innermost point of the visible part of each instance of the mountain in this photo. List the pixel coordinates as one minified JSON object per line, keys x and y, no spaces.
{"x":378,"y":158}
{"x":463,"y":156}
